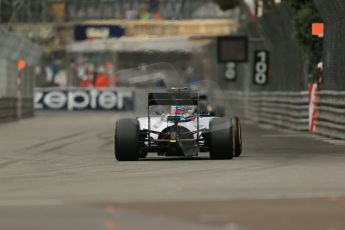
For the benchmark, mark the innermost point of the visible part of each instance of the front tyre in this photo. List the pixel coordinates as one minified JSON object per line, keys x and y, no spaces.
{"x":221,"y":139}
{"x":237,"y":136}
{"x":127,"y":145}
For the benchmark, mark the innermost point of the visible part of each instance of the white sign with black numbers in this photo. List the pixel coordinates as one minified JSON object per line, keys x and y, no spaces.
{"x":230,"y":71}
{"x":261,"y":67}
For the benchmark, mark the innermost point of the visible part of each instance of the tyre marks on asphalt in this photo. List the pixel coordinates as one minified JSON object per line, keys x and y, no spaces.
{"x":107,"y":141}
{"x":58,"y":147}
{"x":9,"y":162}
{"x":53,"y":141}
{"x":50,"y":147}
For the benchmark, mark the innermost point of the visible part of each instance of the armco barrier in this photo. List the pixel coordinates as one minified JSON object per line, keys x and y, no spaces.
{"x":331,"y":120}
{"x":8,"y":109}
{"x":291,"y":110}
{"x":288,"y":110}
{"x":27,"y":108}
{"x":283,"y":109}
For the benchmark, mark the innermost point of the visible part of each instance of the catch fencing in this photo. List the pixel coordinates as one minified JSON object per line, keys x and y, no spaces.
{"x":332,"y":13}
{"x":288,"y":69}
{"x":16,"y":86}
{"x":284,"y":101}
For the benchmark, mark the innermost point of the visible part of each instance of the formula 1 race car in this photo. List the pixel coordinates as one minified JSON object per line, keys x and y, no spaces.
{"x":175,"y":126}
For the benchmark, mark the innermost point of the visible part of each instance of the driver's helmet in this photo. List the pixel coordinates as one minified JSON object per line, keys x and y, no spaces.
{"x":186,"y":113}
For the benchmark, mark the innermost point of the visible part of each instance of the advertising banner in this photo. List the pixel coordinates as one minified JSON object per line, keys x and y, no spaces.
{"x":79,"y":99}
{"x":86,"y":32}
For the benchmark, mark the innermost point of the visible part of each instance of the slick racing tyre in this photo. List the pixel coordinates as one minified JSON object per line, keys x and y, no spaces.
{"x":127,"y":146}
{"x":221,"y":139}
{"x":237,"y":136}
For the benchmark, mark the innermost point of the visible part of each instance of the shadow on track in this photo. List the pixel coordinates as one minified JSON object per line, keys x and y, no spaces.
{"x":175,"y":159}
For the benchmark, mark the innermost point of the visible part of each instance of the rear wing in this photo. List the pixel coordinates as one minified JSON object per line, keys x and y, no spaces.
{"x":178,"y":98}
{"x":174,"y":98}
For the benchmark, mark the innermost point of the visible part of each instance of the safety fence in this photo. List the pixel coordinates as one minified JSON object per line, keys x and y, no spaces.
{"x":16,"y":84}
{"x":287,"y":66}
{"x":332,"y":13}
{"x":290,"y":110}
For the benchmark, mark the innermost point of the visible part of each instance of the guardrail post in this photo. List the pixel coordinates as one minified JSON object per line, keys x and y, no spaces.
{"x":19,"y":94}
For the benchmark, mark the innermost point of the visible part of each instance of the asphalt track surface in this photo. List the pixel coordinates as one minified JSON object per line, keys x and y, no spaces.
{"x":57,"y":171}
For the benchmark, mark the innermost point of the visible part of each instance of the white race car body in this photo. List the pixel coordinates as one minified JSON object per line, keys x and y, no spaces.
{"x":158,"y":124}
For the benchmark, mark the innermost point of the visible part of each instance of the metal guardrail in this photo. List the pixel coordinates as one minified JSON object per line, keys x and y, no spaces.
{"x":283,"y":109}
{"x":27,"y":108}
{"x":291,"y":110}
{"x":287,"y":110}
{"x":8,"y":109}
{"x":331,"y":120}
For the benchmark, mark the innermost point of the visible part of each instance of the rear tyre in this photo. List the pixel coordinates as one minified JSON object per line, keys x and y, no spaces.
{"x":237,"y":136}
{"x":221,"y":139}
{"x":143,"y":154}
{"x":127,"y":145}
